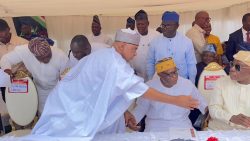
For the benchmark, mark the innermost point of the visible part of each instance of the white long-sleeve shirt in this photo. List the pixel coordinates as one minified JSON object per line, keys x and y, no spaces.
{"x":180,"y":48}
{"x":6,"y":48}
{"x":45,"y":76}
{"x":228,"y":98}
{"x":102,"y":38}
{"x":161,"y":116}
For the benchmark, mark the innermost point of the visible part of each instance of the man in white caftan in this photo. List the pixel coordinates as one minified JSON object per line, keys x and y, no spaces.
{"x":97,"y":91}
{"x":98,"y":36}
{"x":139,"y":62}
{"x":229,"y":106}
{"x":43,"y":62}
{"x":8,"y":42}
{"x":160,"y":116}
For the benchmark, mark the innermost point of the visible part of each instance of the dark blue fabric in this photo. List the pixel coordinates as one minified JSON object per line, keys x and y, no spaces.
{"x":235,"y":39}
{"x":170,"y":16}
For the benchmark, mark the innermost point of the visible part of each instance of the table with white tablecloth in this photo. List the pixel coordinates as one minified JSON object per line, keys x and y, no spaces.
{"x":234,"y":135}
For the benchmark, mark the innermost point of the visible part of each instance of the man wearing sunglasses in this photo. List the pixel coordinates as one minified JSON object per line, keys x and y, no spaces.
{"x":230,"y":102}
{"x":161,"y":116}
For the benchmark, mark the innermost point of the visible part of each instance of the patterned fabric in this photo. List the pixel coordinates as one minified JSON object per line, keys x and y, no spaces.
{"x":39,"y":47}
{"x":96,"y":20}
{"x":165,"y":64}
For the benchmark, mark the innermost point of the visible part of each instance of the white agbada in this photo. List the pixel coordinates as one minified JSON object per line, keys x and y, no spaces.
{"x":102,"y":38}
{"x":139,"y":62}
{"x":6,"y":48}
{"x":91,"y":97}
{"x":45,"y":76}
{"x":97,"y":46}
{"x":161,"y":116}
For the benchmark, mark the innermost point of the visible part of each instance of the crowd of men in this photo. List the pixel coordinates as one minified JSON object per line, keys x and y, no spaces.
{"x":89,"y":91}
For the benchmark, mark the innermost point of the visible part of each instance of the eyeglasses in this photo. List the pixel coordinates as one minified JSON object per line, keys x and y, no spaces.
{"x":171,"y":74}
{"x":236,"y":66}
{"x":167,"y":25}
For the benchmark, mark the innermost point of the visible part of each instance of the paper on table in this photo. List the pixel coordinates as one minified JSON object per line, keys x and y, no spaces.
{"x":185,"y":134}
{"x":4,"y":79}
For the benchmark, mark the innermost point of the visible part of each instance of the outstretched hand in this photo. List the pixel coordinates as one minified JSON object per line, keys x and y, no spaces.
{"x":186,"y":102}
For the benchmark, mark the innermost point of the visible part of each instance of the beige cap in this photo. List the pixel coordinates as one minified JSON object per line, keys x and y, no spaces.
{"x":127,"y":36}
{"x":243,"y":56}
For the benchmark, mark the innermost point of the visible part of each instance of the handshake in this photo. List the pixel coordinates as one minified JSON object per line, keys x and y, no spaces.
{"x":130,"y":121}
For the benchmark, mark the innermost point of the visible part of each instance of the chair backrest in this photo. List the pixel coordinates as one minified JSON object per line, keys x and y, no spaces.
{"x":208,"y":77}
{"x":22,"y":101}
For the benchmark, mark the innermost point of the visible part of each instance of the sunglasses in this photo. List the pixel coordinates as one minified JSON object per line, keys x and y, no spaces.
{"x":236,"y":66}
{"x":167,"y":25}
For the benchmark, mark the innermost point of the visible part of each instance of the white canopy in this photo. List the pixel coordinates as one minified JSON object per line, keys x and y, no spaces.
{"x":11,"y":8}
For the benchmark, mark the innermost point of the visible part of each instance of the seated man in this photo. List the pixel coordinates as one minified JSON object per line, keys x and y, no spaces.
{"x":161,"y":116}
{"x":229,"y":106}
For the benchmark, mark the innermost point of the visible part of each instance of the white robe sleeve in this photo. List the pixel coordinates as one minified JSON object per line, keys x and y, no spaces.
{"x":10,"y":59}
{"x":202,"y":102}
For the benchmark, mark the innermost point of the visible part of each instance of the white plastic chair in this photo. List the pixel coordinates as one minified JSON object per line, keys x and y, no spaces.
{"x":208,"y":77}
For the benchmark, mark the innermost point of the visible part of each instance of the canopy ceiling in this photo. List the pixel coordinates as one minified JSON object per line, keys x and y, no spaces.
{"x":11,"y":8}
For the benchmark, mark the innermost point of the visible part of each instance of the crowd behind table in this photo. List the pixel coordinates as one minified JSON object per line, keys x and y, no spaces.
{"x":90,"y":89}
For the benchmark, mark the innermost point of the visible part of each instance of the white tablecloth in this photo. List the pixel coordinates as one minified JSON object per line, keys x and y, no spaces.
{"x":234,"y":135}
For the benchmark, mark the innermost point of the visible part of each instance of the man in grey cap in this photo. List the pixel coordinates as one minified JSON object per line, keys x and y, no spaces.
{"x":97,"y":92}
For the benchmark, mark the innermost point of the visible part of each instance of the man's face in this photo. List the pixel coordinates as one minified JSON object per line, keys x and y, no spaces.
{"x":169,"y":28}
{"x":142,"y":26}
{"x":78,"y":51}
{"x":203,"y":19}
{"x":128,"y":51}
{"x":169,"y":77}
{"x":96,"y":29}
{"x":5,"y":36}
{"x":246,"y":24}
{"x":208,"y":57}
{"x":239,"y":71}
